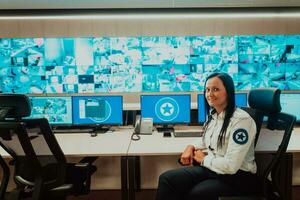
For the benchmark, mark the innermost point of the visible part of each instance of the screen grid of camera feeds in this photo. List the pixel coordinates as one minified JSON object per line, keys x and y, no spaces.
{"x":58,"y":110}
{"x":146,"y":64}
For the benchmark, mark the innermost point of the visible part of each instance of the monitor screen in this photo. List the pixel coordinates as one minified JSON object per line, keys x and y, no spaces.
{"x":166,"y":109}
{"x":290,"y":104}
{"x":58,"y":110}
{"x":240,"y":101}
{"x":106,"y":110}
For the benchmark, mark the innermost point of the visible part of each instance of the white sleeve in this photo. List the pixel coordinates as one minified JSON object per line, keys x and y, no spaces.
{"x":199,"y":144}
{"x":240,"y":139}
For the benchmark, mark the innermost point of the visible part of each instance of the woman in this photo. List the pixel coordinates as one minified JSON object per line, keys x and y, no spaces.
{"x":222,"y":163}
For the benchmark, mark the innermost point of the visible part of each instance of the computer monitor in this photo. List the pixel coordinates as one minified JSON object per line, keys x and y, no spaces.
{"x":166,"y":109}
{"x":98,"y":110}
{"x":58,"y":110}
{"x":290,"y":104}
{"x":240,"y":101}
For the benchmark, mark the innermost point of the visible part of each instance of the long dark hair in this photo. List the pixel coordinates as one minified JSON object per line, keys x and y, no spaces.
{"x":230,"y":108}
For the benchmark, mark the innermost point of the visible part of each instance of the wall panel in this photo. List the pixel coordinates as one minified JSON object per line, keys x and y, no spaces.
{"x":137,"y":25}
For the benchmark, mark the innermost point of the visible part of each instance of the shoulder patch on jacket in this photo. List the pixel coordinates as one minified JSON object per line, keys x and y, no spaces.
{"x":240,"y":136}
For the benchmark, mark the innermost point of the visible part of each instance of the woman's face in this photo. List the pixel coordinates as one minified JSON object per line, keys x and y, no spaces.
{"x":215,"y":94}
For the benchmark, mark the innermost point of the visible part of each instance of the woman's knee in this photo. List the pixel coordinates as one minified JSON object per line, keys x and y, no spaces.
{"x":174,"y":178}
{"x":166,"y":176}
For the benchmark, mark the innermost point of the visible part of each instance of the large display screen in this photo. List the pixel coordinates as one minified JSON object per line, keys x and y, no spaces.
{"x":58,"y":110}
{"x":146,"y":63}
{"x":106,"y":110}
{"x":240,"y":101}
{"x":166,"y":109}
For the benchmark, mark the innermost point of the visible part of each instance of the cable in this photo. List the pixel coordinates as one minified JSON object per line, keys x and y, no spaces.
{"x":135,"y":136}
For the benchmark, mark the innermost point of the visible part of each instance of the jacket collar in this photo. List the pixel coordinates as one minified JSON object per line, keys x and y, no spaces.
{"x":219,"y":116}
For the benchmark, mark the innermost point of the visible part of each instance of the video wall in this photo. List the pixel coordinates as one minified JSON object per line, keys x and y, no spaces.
{"x":146,"y":64}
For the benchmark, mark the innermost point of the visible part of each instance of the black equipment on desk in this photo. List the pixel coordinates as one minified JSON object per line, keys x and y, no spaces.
{"x":41,"y":169}
{"x":80,"y":129}
{"x":143,"y":126}
{"x":181,"y":133}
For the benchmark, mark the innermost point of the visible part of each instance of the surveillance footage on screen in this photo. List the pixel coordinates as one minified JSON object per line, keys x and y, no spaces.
{"x":146,"y":63}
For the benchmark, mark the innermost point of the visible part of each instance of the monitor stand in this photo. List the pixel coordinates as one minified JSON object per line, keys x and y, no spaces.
{"x":164,"y":128}
{"x":100,"y":129}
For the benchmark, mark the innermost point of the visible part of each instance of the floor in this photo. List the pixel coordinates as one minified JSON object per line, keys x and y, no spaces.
{"x":143,"y":195}
{"x":115,"y":195}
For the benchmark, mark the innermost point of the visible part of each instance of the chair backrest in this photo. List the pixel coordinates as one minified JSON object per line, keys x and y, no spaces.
{"x":31,"y":143}
{"x":274,"y":129}
{"x":262,"y":102}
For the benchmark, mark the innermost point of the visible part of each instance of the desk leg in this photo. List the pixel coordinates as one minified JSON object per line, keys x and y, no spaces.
{"x":137,"y":173}
{"x":132,"y":176}
{"x":124,"y":180}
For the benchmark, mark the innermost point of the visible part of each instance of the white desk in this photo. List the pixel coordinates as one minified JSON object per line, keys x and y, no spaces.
{"x":109,"y":144}
{"x":118,"y":143}
{"x":156,"y":144}
{"x":114,"y":143}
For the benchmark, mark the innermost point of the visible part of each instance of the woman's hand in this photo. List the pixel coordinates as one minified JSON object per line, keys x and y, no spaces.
{"x":187,"y":155}
{"x":199,"y":155}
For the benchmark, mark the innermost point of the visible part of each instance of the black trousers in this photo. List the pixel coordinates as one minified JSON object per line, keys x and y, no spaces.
{"x":200,"y":183}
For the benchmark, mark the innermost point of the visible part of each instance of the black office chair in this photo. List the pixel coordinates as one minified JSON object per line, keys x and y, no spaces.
{"x":41,"y":170}
{"x":274,"y":167}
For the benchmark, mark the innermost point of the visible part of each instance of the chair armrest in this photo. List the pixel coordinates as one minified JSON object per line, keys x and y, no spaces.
{"x":23,"y":181}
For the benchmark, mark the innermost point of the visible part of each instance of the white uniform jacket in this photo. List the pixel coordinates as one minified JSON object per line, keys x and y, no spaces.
{"x":237,"y":153}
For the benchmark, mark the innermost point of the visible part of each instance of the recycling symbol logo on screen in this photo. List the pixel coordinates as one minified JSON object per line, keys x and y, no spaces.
{"x":166,"y":109}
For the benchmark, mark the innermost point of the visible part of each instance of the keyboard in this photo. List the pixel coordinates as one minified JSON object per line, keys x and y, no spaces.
{"x":188,"y":133}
